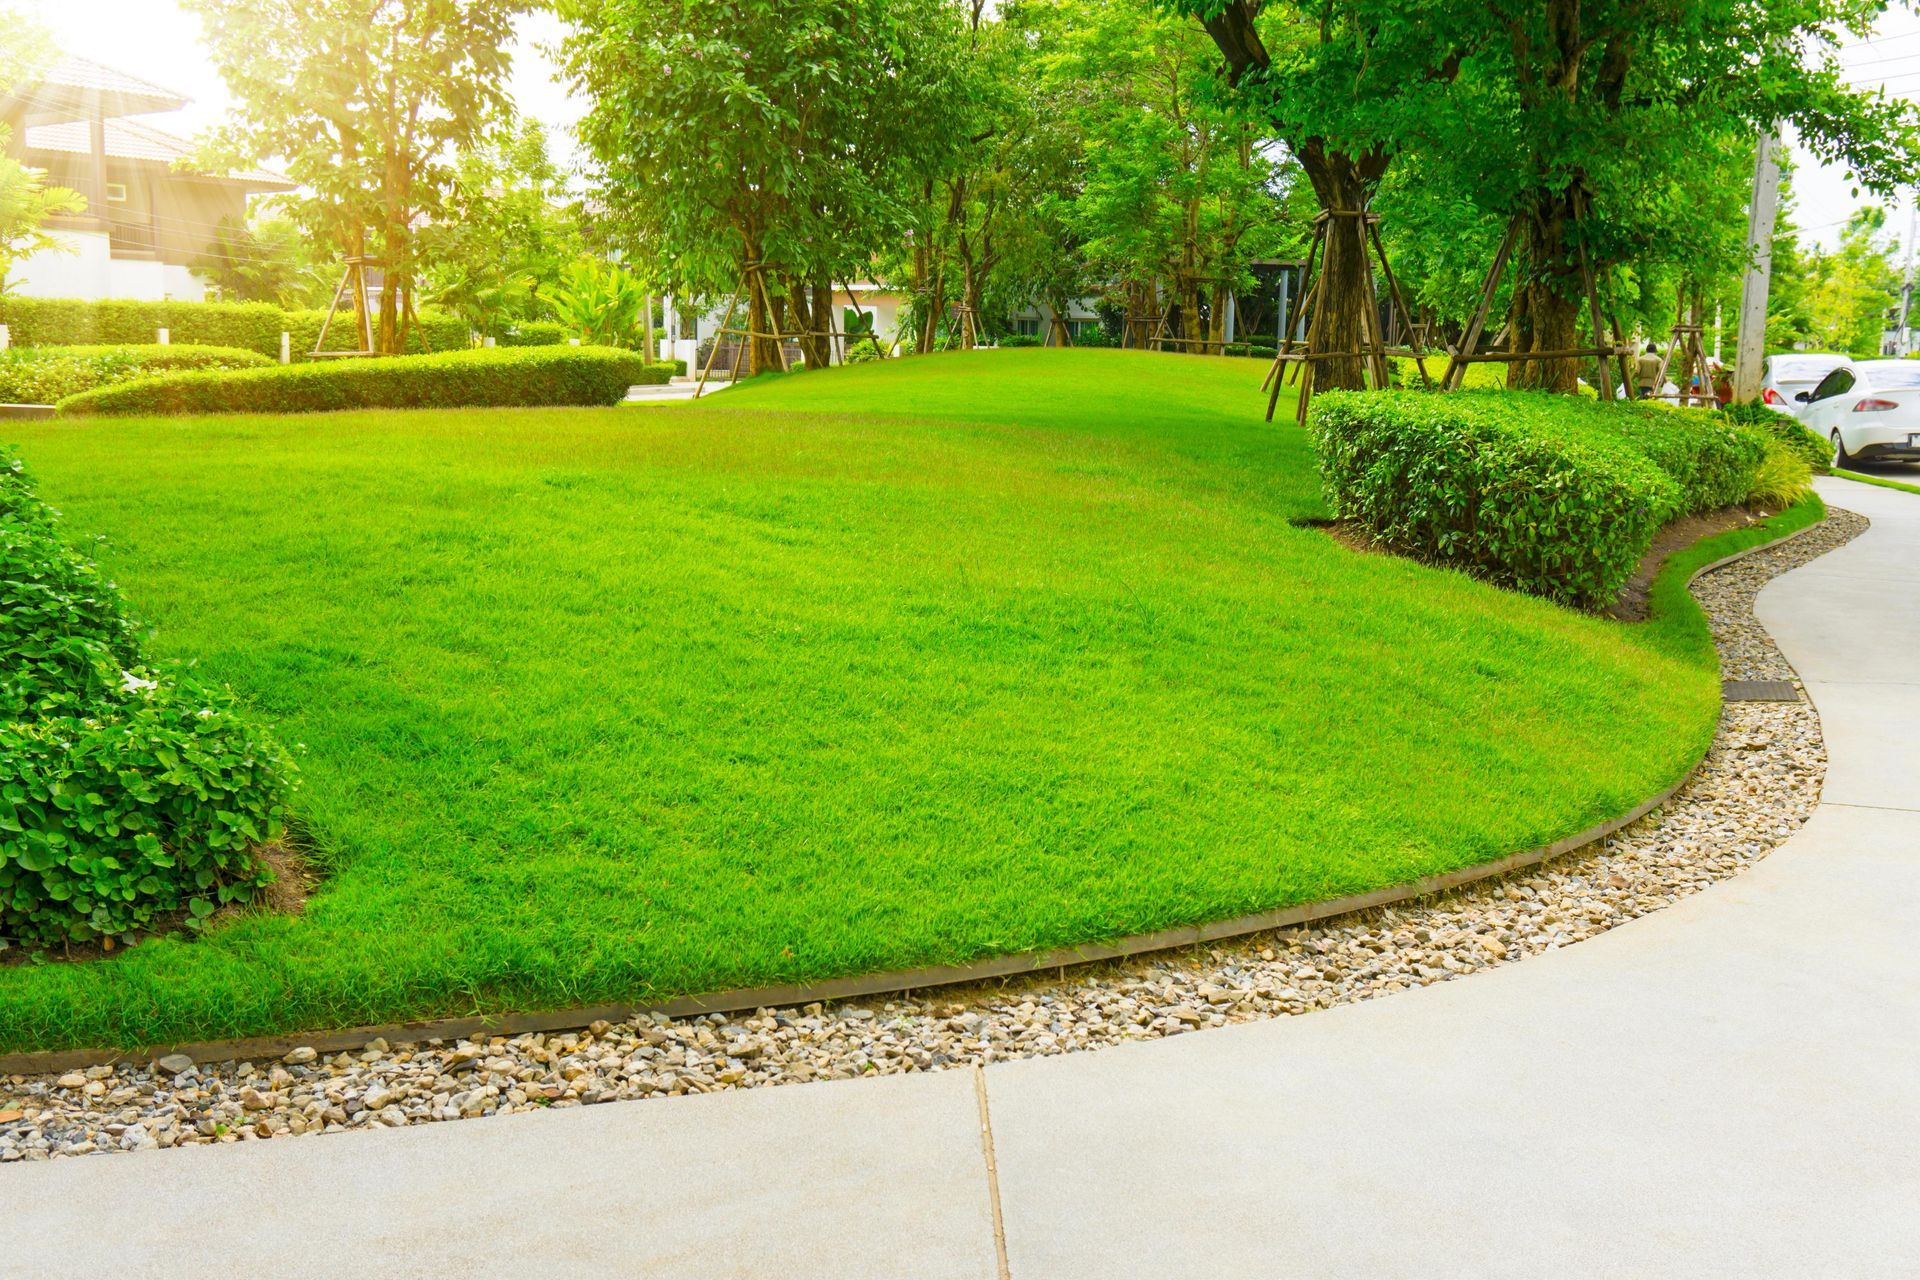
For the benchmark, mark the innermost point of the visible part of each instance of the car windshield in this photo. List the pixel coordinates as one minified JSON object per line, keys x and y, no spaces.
{"x":1891,"y":375}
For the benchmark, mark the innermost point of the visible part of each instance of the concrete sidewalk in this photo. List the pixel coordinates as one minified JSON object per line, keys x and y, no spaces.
{"x":1722,"y":1088}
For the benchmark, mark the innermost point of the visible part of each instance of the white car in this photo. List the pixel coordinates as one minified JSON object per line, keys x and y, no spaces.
{"x":1788,"y":379}
{"x":1869,"y":410}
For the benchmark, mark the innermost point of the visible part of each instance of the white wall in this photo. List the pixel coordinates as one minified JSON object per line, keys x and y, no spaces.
{"x":83,"y":266}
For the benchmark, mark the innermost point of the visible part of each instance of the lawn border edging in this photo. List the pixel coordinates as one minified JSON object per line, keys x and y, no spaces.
{"x":1805,"y":515}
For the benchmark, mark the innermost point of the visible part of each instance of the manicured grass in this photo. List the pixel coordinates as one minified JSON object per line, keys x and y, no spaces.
{"x":875,"y":667}
{"x":1883,"y":482}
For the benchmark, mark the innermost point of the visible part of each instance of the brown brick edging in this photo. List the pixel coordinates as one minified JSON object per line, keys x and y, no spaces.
{"x":892,"y":982}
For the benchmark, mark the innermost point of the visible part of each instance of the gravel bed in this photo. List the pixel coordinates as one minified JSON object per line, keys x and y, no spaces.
{"x":1759,"y":783}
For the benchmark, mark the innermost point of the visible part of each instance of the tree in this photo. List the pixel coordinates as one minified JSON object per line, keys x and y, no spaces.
{"x":769,"y":139}
{"x":1176,"y":194}
{"x":1589,"y":120}
{"x":506,"y":232}
{"x":364,"y":102}
{"x":1347,"y":87}
{"x":268,"y":258}
{"x":1850,"y":291}
{"x":26,"y":201}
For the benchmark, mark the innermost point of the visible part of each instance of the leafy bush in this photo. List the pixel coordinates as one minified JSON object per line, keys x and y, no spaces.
{"x":126,"y":793}
{"x":499,"y":377}
{"x":1803,"y":440}
{"x":251,"y":326}
{"x":437,"y":332}
{"x":1557,"y":495}
{"x":44,"y":375}
{"x":70,"y":322}
{"x":600,"y":302}
{"x":534,"y":333}
{"x":865,"y":350}
{"x":1018,"y":340}
{"x":1783,"y":478}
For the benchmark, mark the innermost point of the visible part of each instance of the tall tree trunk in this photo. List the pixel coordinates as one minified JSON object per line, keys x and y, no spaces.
{"x":762,"y":352}
{"x":1343,"y":184}
{"x":823,"y":323}
{"x":1217,"y":322}
{"x":1545,"y":314}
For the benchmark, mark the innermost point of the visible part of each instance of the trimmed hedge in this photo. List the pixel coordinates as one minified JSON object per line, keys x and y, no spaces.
{"x":534,"y":333}
{"x":436,"y":333}
{"x":251,"y":326}
{"x":495,"y":378}
{"x":73,"y":322}
{"x":128,"y":793}
{"x":1557,"y":495}
{"x":45,"y":375}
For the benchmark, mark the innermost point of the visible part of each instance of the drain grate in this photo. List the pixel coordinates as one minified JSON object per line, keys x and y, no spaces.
{"x":1759,"y":691}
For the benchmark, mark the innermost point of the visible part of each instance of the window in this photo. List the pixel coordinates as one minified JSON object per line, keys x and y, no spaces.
{"x":1833,"y":384}
{"x":116,"y":193}
{"x":1027,"y":327}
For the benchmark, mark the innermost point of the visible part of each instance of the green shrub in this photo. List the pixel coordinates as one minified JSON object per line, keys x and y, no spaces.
{"x":1018,"y":340}
{"x":864,"y":350}
{"x":1783,"y":478}
{"x":70,"y":322}
{"x":1788,"y":430}
{"x":126,"y":793}
{"x":1557,"y":495}
{"x":436,"y":332}
{"x":486,"y":378}
{"x":534,"y":333}
{"x":44,"y":375}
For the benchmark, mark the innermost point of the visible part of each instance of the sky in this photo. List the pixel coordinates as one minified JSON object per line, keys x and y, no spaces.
{"x":159,"y":41}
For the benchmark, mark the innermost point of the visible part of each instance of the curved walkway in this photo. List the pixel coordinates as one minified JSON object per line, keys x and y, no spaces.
{"x":1726,"y":1087}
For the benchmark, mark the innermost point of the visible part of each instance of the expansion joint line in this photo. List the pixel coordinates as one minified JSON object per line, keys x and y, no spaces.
{"x":993,"y":1173}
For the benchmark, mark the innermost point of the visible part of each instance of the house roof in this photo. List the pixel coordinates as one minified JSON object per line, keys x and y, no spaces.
{"x":77,"y":88}
{"x":139,"y":141}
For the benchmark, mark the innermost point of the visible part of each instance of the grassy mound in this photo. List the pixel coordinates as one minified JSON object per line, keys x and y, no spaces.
{"x":904,"y":663}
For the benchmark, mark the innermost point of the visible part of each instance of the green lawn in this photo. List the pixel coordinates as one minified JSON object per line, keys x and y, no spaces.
{"x":866,"y":668}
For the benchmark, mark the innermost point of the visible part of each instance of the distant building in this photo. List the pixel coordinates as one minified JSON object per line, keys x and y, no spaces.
{"x":149,"y":215}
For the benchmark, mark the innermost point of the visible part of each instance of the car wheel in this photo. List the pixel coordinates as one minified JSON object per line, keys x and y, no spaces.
{"x":1841,"y":458}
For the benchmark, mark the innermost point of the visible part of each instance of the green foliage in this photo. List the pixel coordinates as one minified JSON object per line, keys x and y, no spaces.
{"x":44,"y":375}
{"x":507,"y":233}
{"x":1783,"y":477}
{"x":1559,"y":497}
{"x":268,"y":258}
{"x":1786,"y":429}
{"x":601,"y":303}
{"x":127,"y":792}
{"x":435,"y":332}
{"x":534,"y":333}
{"x":65,"y":322}
{"x":486,"y":378}
{"x":779,"y":132}
{"x":1019,"y":340}
{"x":365,"y":105}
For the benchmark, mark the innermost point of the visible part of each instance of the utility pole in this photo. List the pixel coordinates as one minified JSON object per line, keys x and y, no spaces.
{"x":1753,"y":288}
{"x":1901,"y":346}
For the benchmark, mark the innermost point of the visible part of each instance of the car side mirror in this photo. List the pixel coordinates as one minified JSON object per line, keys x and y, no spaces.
{"x":1805,"y":397}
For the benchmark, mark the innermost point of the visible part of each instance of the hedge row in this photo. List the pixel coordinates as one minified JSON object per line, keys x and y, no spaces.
{"x":44,"y":375}
{"x":486,"y":378}
{"x":127,"y":792}
{"x":1557,"y":495}
{"x":251,"y":326}
{"x":435,"y":333}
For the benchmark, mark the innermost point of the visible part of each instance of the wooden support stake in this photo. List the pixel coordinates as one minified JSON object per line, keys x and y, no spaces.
{"x":1456,"y":368}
